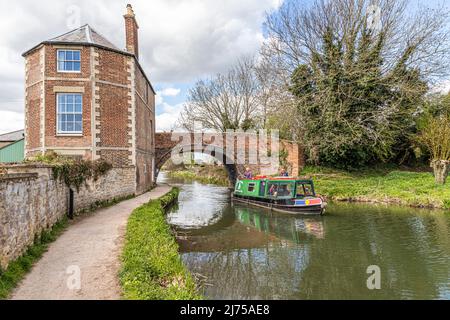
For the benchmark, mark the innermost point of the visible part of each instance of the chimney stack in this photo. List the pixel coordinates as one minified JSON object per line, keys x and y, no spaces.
{"x":131,"y":31}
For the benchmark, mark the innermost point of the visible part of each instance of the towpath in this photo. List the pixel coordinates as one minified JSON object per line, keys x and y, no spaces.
{"x":83,"y":263}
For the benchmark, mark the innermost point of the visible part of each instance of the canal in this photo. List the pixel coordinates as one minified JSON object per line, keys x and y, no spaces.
{"x":240,"y":252}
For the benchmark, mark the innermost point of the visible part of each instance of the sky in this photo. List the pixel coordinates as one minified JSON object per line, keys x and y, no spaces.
{"x":181,"y":41}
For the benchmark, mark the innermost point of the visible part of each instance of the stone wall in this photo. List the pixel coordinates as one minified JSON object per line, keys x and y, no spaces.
{"x":29,"y":204}
{"x":118,"y":183}
{"x":31,"y":201}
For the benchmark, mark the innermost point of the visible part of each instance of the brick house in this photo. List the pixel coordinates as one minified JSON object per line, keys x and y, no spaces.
{"x":86,"y":97}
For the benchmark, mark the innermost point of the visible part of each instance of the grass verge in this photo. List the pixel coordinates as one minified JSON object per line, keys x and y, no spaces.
{"x":206,"y":175}
{"x":18,"y":268}
{"x":151,"y":265}
{"x":415,"y":189}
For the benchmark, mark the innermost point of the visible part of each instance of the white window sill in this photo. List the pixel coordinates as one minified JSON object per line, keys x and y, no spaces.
{"x":68,"y":71}
{"x":61,"y":71}
{"x":69,"y":134}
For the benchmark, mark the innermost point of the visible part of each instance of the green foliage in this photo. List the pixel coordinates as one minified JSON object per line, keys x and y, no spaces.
{"x":207,"y":175}
{"x":17,"y":269}
{"x":48,"y":157}
{"x":73,"y":172}
{"x":151,"y":266}
{"x":416,"y":189}
{"x":353,"y":112}
{"x":76,"y":172}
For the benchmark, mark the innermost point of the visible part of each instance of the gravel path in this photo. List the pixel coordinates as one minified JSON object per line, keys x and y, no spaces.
{"x":83,"y":263}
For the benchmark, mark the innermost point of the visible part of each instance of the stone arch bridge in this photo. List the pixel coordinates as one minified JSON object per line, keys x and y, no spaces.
{"x":235,"y":151}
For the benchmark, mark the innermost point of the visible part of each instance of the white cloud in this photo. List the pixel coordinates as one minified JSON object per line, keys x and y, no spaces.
{"x":10,"y":121}
{"x":166,"y":121}
{"x":180,"y":40}
{"x":169,"y":92}
{"x":167,"y":114}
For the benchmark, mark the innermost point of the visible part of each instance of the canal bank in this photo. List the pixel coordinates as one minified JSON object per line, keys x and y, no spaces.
{"x":206,"y":174}
{"x":381,"y":186}
{"x":242,"y":252}
{"x":151,"y":266}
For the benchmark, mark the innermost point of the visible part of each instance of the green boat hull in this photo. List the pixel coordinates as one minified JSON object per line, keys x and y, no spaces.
{"x":283,"y":208}
{"x":283,"y":194}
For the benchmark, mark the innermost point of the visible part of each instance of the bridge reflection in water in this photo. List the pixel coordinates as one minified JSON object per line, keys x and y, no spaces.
{"x":249,"y":253}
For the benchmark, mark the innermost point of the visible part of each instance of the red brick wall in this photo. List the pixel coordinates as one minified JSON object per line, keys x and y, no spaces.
{"x":34,"y":73}
{"x":33,"y":105}
{"x":51,"y":69}
{"x":51,"y":137}
{"x":131,"y":35}
{"x":145,"y":132}
{"x":113,"y":67}
{"x":113,"y":116}
{"x":114,"y":107}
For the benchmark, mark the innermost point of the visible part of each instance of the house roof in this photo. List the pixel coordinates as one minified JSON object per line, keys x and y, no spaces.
{"x":84,"y":34}
{"x":12,"y":136}
{"x":87,"y":36}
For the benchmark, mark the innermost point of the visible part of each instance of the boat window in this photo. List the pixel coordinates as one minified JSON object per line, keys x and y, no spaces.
{"x":285,"y":189}
{"x":304,"y":190}
{"x":273,"y":189}
{"x":251,"y":187}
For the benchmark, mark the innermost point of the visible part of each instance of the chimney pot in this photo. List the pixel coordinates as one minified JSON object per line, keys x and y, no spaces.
{"x":130,"y":11}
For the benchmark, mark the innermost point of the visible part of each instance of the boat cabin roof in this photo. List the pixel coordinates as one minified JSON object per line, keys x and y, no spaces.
{"x":278,"y":179}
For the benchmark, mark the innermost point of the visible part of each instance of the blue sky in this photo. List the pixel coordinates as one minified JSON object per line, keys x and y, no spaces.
{"x":181,"y":41}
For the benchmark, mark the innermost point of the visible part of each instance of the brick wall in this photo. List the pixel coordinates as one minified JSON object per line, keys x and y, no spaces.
{"x":145,"y":132}
{"x":295,"y":158}
{"x":113,"y":116}
{"x":51,"y":69}
{"x":52,"y":139}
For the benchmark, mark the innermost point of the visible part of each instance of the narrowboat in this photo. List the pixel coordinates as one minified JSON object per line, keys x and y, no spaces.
{"x":283,"y":194}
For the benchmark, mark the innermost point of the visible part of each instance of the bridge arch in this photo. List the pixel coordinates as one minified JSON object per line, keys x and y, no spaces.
{"x":219,"y":154}
{"x":199,"y":142}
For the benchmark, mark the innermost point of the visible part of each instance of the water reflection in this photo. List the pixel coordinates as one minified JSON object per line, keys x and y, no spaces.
{"x":250,"y":253}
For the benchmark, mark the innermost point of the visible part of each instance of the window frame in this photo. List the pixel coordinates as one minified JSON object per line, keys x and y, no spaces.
{"x":59,"y":131}
{"x":73,"y":61}
{"x":251,"y":185}
{"x":286,"y":186}
{"x":312,"y":192}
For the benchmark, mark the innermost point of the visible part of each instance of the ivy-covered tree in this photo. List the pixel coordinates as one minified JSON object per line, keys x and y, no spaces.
{"x":357,"y":84}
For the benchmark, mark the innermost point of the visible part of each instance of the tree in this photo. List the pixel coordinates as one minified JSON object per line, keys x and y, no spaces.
{"x":436,"y":136}
{"x":226,"y":101}
{"x":357,"y":80}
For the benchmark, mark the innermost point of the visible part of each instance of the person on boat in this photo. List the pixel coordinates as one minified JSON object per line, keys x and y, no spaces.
{"x":248,"y":174}
{"x":284,"y":173}
{"x":273,"y":190}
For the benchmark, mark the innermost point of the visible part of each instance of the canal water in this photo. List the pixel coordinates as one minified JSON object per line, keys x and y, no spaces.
{"x":241,"y":252}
